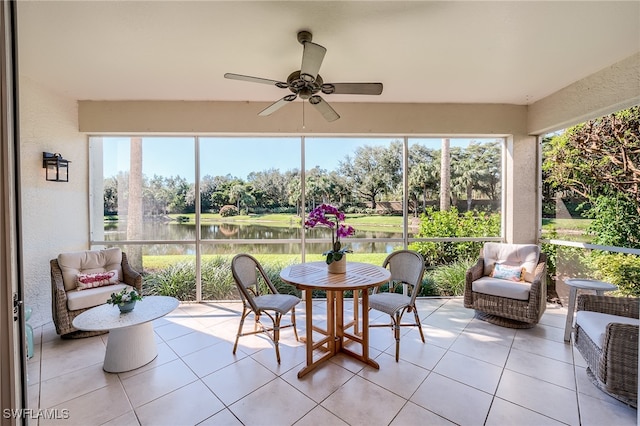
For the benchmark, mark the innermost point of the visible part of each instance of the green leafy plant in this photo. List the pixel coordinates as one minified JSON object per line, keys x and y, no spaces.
{"x":449,"y":280}
{"x":450,"y":223}
{"x":124,"y":296}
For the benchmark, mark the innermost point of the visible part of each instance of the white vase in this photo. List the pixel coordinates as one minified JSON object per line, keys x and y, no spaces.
{"x":338,"y":266}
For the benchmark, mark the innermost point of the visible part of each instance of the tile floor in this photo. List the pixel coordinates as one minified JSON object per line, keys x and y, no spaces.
{"x":468,"y":373}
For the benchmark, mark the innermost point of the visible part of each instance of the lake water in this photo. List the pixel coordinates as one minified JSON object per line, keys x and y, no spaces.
{"x":172,"y":231}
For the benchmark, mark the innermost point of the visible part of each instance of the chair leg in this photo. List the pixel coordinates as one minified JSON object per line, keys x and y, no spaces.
{"x":276,"y":334}
{"x":293,"y":321}
{"x":396,"y":333}
{"x":245,"y":312}
{"x":415,"y":314}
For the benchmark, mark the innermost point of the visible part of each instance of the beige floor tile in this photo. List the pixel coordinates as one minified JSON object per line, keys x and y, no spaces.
{"x":412,"y":414}
{"x":266,"y":404}
{"x":453,"y":400}
{"x":361,"y":402}
{"x":192,"y":342}
{"x":544,"y":332}
{"x":506,"y":413}
{"x":195,"y":366}
{"x":439,"y":336}
{"x":425,"y":355}
{"x":72,"y":385}
{"x":482,"y":330}
{"x":238,"y":380}
{"x":171,"y":330}
{"x":543,"y":368}
{"x":549,"y":348}
{"x":93,"y":408}
{"x":401,"y":378}
{"x":187,"y":405}
{"x":158,"y":381}
{"x":470,"y":371}
{"x":597,"y":412}
{"x":212,"y":358}
{"x":320,"y":416}
{"x":542,"y":397}
{"x":475,"y":346}
{"x":221,"y":418}
{"x":127,"y":419}
{"x":64,"y":356}
{"x":321,"y":382}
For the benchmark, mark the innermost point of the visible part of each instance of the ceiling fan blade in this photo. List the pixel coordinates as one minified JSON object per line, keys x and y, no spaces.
{"x":325,"y":109}
{"x":277,"y":105}
{"x":312,"y":57}
{"x":352,"y":88}
{"x":250,"y":79}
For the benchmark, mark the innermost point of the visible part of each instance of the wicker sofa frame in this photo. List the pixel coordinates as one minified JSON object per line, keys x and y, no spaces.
{"x":63,"y":317}
{"x":504,"y":311}
{"x":614,"y":368}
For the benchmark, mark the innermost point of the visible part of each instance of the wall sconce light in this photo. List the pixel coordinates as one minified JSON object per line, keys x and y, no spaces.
{"x":57,"y":168}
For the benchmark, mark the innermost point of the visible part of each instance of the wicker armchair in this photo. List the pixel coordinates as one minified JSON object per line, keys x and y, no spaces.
{"x":62,"y":288}
{"x":606,"y":335}
{"x":501,"y":302}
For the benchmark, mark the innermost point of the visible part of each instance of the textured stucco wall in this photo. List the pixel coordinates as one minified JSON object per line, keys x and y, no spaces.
{"x":54,"y":214}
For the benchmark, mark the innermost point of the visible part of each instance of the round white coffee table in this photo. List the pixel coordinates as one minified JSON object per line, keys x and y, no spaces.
{"x":131,"y":342}
{"x":584,"y":284}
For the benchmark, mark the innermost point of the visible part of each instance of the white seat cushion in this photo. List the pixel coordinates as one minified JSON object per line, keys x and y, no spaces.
{"x":518,"y":290}
{"x":594,"y":324}
{"x":81,"y":299}
{"x":522,"y":255}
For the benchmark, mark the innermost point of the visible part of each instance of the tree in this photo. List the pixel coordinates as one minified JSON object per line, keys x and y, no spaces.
{"x":598,"y":157}
{"x":445,"y":176}
{"x":134,"y":214}
{"x":374,"y":170}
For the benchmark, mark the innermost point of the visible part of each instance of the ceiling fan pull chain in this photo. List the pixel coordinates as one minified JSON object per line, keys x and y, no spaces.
{"x":303,"y":125}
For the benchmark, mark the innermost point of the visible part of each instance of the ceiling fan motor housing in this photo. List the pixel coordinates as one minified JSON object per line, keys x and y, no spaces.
{"x":303,"y":88}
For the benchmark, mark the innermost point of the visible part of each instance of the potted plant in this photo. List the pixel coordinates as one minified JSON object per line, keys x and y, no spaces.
{"x":329,"y":216}
{"x":125,"y":299}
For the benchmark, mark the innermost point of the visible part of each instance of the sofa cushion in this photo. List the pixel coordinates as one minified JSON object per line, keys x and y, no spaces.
{"x":100,"y":279}
{"x":520,"y":255}
{"x":503,"y":288}
{"x":88,"y":262}
{"x":594,"y":324}
{"x":81,"y":299}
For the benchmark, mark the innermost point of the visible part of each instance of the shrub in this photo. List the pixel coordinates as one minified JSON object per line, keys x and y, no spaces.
{"x":182,"y":219}
{"x":449,"y":280}
{"x":620,"y":269}
{"x":177,"y":280}
{"x":450,"y":223}
{"x":228,"y":211}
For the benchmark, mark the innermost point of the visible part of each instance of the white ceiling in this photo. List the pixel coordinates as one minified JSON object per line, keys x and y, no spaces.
{"x":422,"y":51}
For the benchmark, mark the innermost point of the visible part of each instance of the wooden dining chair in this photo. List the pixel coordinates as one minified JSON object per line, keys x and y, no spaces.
{"x":260,"y":296}
{"x":407,"y":268}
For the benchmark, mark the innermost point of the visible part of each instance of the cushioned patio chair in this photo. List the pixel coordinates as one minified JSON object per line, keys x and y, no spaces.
{"x":260,"y":296}
{"x":82,"y":280}
{"x":606,"y":335}
{"x":507,"y":285}
{"x":407,"y":268}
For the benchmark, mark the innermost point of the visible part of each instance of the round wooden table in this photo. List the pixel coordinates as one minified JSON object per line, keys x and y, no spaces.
{"x":131,"y":343}
{"x":359,"y":277}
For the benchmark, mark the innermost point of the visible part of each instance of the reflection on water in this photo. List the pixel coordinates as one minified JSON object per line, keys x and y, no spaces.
{"x":154,"y":230}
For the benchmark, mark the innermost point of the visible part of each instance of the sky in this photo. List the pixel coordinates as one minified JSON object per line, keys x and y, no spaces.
{"x":237,"y":156}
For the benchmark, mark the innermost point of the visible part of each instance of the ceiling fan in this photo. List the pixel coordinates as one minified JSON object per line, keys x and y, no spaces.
{"x":306,"y":83}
